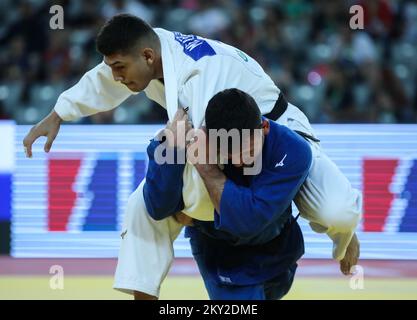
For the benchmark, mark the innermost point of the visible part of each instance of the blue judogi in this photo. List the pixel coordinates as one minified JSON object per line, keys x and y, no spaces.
{"x":250,"y":249}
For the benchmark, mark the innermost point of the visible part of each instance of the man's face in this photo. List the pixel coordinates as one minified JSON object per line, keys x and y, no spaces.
{"x":135,"y":71}
{"x":250,"y":149}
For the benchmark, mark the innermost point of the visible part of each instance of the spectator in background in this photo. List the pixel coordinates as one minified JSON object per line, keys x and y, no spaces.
{"x":271,"y":43}
{"x":339,"y":97}
{"x":241,"y":31}
{"x":18,"y":66}
{"x":4,"y":115}
{"x":390,"y":101}
{"x":29,"y":25}
{"x":378,"y":17}
{"x":410,"y":21}
{"x":57,"y":57}
{"x":355,"y":46}
{"x":134,"y":7}
{"x":209,"y":20}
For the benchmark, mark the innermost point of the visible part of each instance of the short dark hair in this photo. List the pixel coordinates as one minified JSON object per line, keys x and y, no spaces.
{"x":233,"y":109}
{"x":122,"y":34}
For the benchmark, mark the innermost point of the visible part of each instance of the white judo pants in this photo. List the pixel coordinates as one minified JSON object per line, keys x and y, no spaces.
{"x":326,"y":199}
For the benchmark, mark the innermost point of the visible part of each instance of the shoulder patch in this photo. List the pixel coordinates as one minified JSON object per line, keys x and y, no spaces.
{"x":194,"y":47}
{"x":242,"y":55}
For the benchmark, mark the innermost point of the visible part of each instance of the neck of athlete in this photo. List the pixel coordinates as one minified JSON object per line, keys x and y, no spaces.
{"x":158,"y":71}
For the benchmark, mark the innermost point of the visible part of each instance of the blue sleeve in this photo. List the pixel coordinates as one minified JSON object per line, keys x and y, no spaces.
{"x":162,"y":191}
{"x":246,"y":211}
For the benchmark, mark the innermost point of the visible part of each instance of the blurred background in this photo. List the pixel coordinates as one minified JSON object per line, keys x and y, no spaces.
{"x":65,"y":209}
{"x":335,"y":74}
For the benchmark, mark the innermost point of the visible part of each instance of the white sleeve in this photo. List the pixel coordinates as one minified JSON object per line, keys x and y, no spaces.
{"x":96,"y":91}
{"x":339,"y":225}
{"x":340,"y":236}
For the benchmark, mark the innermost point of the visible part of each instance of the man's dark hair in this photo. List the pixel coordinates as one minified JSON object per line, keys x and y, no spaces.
{"x":233,"y":109}
{"x":123,"y":33}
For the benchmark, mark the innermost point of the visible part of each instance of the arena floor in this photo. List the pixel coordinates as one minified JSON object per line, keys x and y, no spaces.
{"x":92,"y":279}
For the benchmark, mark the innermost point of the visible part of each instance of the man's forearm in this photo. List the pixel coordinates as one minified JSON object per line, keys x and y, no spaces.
{"x":55,"y":117}
{"x":214,"y":180}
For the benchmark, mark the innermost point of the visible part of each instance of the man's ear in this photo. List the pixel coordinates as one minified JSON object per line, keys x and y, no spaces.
{"x":265,"y":126}
{"x":149,"y":55}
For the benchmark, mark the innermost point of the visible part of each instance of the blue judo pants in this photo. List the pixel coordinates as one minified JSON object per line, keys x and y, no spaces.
{"x":273,"y":289}
{"x":206,"y":253}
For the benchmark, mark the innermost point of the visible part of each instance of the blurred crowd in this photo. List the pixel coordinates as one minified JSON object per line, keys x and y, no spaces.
{"x":333,"y":73}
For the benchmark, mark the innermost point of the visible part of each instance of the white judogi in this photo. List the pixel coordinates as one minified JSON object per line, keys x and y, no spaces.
{"x":195,"y":69}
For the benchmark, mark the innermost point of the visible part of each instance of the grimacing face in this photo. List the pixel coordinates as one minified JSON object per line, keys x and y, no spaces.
{"x":135,"y":70}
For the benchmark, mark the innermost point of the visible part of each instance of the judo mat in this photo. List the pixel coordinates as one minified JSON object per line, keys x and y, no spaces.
{"x":92,"y":279}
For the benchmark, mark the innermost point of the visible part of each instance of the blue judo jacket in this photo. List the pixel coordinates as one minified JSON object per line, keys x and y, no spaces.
{"x":254,"y":237}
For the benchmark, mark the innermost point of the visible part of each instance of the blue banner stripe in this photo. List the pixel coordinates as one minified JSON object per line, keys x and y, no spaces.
{"x":5,"y":196}
{"x":409,"y":221}
{"x":102,"y":215}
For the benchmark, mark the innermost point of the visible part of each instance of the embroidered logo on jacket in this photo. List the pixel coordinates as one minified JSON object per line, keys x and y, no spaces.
{"x":194,"y":47}
{"x":281,"y":163}
{"x":242,"y":55}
